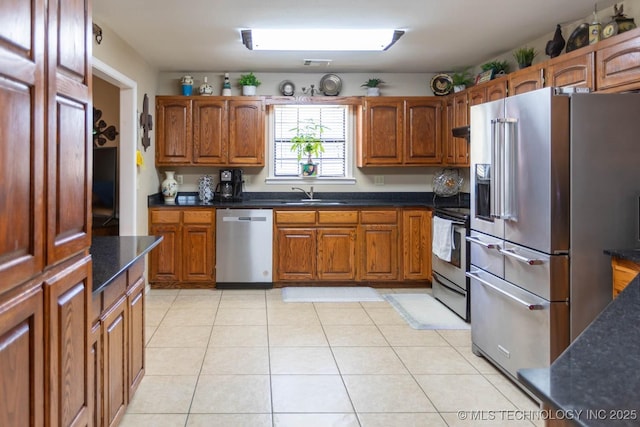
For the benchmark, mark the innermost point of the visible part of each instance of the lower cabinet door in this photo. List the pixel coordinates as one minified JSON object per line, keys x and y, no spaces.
{"x":135,"y":303}
{"x":296,"y":253}
{"x":21,"y":360}
{"x":114,"y":361}
{"x":378,"y":252}
{"x":337,"y":254}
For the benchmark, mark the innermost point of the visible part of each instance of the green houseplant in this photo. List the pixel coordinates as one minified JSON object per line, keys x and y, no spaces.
{"x":249,"y":83}
{"x":524,"y":56}
{"x":372,"y":86}
{"x":499,"y":67}
{"x":461,"y":79}
{"x":308,"y":141}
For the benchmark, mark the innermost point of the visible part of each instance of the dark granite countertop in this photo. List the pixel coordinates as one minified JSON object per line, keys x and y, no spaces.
{"x":628,"y":254}
{"x":114,"y":254}
{"x":596,"y":380}
{"x":358,"y":199}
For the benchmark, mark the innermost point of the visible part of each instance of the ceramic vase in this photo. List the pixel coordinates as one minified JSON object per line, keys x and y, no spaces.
{"x":205,"y":88}
{"x":187,"y":85}
{"x":249,"y":90}
{"x":373,"y":91}
{"x":205,"y":188}
{"x":309,"y":169}
{"x":169,"y":188}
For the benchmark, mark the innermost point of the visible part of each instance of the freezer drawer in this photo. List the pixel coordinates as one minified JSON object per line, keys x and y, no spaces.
{"x":485,"y":253}
{"x":514,"y":328}
{"x":546,"y":276}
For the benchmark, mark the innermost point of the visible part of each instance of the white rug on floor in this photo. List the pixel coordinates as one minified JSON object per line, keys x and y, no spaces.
{"x":330,"y":294}
{"x":422,"y":311}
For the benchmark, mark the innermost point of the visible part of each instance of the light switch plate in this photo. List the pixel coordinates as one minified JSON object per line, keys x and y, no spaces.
{"x":179,"y":179}
{"x":378,"y":180}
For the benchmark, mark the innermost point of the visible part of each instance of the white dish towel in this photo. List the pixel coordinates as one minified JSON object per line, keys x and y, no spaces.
{"x":442,"y":243}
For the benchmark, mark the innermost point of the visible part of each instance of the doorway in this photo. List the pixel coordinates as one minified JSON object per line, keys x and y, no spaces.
{"x":126,"y":165}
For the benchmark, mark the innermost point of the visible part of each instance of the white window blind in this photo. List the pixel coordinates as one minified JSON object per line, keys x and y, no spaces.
{"x":332,"y":163}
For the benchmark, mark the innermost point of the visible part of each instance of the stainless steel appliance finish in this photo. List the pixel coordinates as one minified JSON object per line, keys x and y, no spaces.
{"x":554,"y":181}
{"x":450,"y":285}
{"x":244,"y":241}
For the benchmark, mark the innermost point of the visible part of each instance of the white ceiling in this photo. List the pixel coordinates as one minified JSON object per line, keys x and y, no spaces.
{"x":441,"y":35}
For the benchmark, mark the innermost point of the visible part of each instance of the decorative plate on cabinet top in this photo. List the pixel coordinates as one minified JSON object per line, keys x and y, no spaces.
{"x":330,"y":84}
{"x":287,"y":88}
{"x":579,"y":38}
{"x":441,"y":84}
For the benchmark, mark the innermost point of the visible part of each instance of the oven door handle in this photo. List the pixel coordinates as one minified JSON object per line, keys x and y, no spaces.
{"x":438,"y":279}
{"x":460,"y":223}
{"x":529,"y":306}
{"x":481,"y":243}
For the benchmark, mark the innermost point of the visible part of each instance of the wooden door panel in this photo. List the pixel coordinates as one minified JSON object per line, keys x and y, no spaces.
{"x":416,"y":244}
{"x":67,"y":298}
{"x":296,"y":253}
{"x":197,"y":247}
{"x":210,"y":132}
{"x":382,"y":133}
{"x":246,"y":133}
{"x":618,"y":62}
{"x":21,"y":360}
{"x":165,"y":259}
{"x":378,"y":252}
{"x":526,"y":80}
{"x":135,"y":302}
{"x":336,"y":254}
{"x":423,"y":142}
{"x":577,"y":72}
{"x":174,"y":131}
{"x":114,"y":356}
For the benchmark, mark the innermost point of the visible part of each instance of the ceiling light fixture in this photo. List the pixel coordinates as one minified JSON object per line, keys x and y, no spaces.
{"x":320,"y":39}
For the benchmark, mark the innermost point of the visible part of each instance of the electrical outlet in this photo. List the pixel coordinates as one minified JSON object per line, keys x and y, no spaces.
{"x":179,"y":179}
{"x":378,"y":180}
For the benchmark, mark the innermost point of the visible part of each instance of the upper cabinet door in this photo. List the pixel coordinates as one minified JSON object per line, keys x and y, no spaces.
{"x":382,"y":132}
{"x":246,"y":132}
{"x":423,"y":131}
{"x":618,"y":66}
{"x":70,"y":123}
{"x":174,"y":137}
{"x":574,"y":71}
{"x":210,"y":131}
{"x":22,"y":96}
{"x":526,"y":80}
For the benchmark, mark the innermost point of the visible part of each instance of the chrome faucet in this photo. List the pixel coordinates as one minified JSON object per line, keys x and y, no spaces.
{"x":308,"y":194}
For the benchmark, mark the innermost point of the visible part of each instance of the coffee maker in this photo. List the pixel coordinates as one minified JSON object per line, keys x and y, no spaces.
{"x":230,"y":185}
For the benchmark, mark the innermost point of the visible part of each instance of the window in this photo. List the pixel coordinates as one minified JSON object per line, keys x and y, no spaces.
{"x":335,"y":119}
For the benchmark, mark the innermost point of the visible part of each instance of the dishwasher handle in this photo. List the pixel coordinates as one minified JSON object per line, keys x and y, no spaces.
{"x":244,"y":219}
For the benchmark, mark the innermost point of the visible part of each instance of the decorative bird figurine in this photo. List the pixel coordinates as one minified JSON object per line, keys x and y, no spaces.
{"x":556,"y":44}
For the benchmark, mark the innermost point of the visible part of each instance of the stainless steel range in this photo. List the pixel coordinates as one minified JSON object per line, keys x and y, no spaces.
{"x":450,"y":284}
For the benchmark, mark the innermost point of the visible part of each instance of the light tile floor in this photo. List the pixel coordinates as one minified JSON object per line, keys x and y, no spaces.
{"x":246,"y":358}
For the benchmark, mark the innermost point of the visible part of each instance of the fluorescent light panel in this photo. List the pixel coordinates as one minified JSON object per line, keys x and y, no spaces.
{"x":320,"y":39}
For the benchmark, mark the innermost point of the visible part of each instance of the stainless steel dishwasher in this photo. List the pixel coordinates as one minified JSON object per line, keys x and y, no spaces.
{"x":244,"y":248}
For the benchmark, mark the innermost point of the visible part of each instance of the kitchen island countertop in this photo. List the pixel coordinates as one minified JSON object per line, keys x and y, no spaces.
{"x":596,"y":380}
{"x":112,"y":255}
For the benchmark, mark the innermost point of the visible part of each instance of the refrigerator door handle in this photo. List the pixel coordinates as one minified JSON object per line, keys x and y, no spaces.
{"x":481,"y":243}
{"x":495,"y":189}
{"x":510,"y":173}
{"x":512,"y":254}
{"x":474,"y":275}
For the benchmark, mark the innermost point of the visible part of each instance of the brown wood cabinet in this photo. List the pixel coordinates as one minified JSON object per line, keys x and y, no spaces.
{"x":526,"y":79}
{"x":624,"y":271}
{"x":575,"y":69}
{"x":205,"y":130}
{"x":618,"y":62}
{"x":416,"y":244}
{"x":400,"y":131}
{"x":45,"y":149}
{"x":378,"y":242}
{"x":187,"y":252}
{"x":456,"y":150}
{"x":361,"y":246}
{"x":114,"y":362}
{"x":315,"y":245}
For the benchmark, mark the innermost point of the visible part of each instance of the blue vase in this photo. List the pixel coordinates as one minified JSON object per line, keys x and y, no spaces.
{"x":187,"y":90}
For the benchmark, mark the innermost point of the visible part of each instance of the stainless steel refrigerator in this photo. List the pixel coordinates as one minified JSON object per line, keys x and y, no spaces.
{"x":555,"y":180}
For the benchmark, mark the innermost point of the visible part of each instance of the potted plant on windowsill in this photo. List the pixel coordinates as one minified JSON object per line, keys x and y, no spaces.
{"x":524,"y":56}
{"x":461,"y":80}
{"x":308,"y":142}
{"x":372,"y":86}
{"x":249,"y":83}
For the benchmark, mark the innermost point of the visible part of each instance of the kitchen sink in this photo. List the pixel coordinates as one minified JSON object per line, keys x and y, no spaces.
{"x":315,"y":202}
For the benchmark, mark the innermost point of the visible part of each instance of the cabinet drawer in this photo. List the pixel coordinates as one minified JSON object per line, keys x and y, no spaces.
{"x":198,"y":217}
{"x":165,"y":217}
{"x":337,"y":217}
{"x":379,"y":217}
{"x":295,"y":217}
{"x":114,"y":291}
